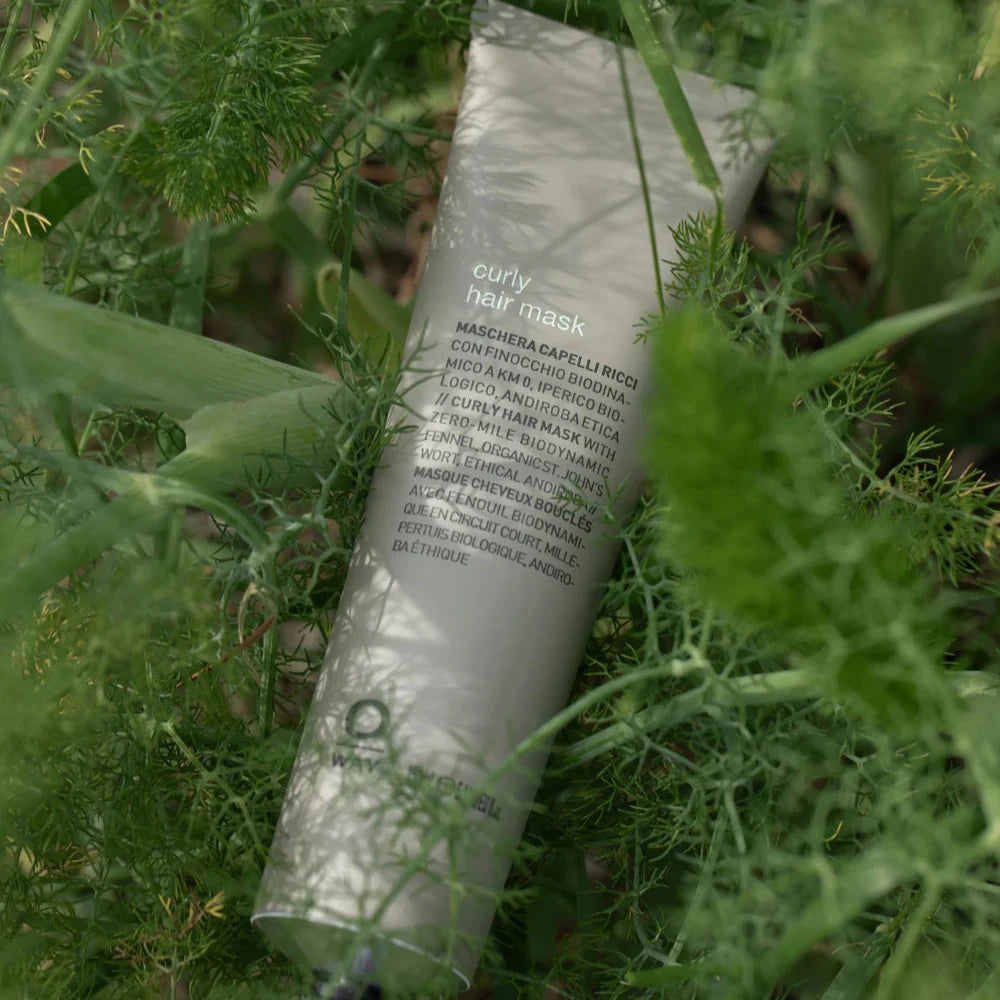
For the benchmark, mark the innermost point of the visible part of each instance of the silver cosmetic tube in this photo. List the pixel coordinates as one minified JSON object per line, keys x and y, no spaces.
{"x":475,"y":583}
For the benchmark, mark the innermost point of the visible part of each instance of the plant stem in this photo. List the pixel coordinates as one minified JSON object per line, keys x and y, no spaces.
{"x":755,"y":689}
{"x":900,"y":959}
{"x":282,"y":191}
{"x":13,"y":19}
{"x":406,"y":128}
{"x":814,"y":369}
{"x":268,"y":681}
{"x":350,"y":205}
{"x":643,"y":182}
{"x":532,"y":743}
{"x":274,"y":200}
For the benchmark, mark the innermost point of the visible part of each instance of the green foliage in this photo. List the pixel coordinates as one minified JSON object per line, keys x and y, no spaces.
{"x":813,"y":574}
{"x":760,"y":830}
{"x":249,"y":102}
{"x":778,"y":774}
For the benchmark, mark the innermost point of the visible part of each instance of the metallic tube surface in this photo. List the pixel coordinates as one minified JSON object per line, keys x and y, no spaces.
{"x":474,"y":584}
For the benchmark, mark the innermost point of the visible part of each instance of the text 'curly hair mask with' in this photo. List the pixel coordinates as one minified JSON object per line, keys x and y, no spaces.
{"x":474,"y":583}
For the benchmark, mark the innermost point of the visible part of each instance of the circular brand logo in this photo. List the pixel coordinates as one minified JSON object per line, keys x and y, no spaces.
{"x":367,"y":719}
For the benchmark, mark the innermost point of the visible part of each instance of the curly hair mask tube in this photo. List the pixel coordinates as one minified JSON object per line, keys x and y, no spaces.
{"x":475,"y":583}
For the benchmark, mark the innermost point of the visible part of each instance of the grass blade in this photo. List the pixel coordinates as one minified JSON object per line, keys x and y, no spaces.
{"x":850,"y":982}
{"x":813,"y":369}
{"x":189,"y":291}
{"x":665,"y":78}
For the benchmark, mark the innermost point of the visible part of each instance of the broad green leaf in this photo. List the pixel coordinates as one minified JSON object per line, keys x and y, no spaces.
{"x":734,"y":456}
{"x":369,"y":31}
{"x":53,"y":344}
{"x":297,"y":237}
{"x":376,"y":321}
{"x":59,"y":196}
{"x":23,"y":252}
{"x":665,"y":78}
{"x":22,"y":257}
{"x":229,"y":445}
{"x":991,"y":43}
{"x":866,"y":174}
{"x":22,"y":583}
